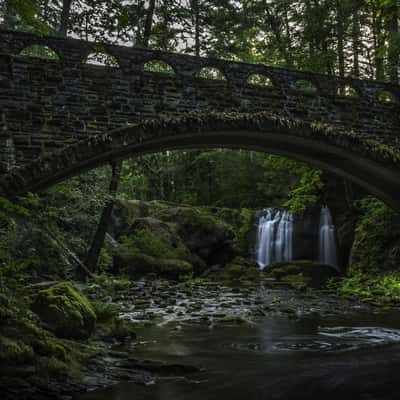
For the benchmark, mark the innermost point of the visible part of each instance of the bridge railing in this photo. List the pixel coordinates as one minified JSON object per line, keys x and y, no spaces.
{"x":131,"y":60}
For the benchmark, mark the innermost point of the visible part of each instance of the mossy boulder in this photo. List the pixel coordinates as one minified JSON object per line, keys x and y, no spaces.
{"x":136,"y":265}
{"x":302,"y":273}
{"x":15,"y":351}
{"x":205,"y":235}
{"x":239,"y":269}
{"x":125,"y":212}
{"x":152,"y":246}
{"x":66,"y":311}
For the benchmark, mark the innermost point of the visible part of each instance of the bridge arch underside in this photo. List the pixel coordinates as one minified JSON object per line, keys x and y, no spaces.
{"x":367,"y":162}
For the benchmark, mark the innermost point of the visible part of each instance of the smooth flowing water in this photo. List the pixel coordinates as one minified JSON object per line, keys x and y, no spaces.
{"x":327,"y":239}
{"x":325,"y":348}
{"x":274,"y":237}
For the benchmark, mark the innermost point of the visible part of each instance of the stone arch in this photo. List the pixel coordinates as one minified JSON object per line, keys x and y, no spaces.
{"x":212,"y":73}
{"x":39,"y":51}
{"x":306,"y":86}
{"x":371,"y":165}
{"x":259,"y":80}
{"x":158,"y":66}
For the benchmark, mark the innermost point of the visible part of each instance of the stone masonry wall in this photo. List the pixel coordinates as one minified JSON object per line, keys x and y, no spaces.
{"x":47,"y":104}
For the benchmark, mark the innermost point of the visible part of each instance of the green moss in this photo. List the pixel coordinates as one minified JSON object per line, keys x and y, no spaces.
{"x":66,"y":310}
{"x":376,"y":244}
{"x":234,"y":271}
{"x":192,"y":220}
{"x":297,"y":281}
{"x":153,"y":238}
{"x":14,"y":351}
{"x":380,"y":289}
{"x":302,"y":273}
{"x":105,"y":311}
{"x":140,"y":264}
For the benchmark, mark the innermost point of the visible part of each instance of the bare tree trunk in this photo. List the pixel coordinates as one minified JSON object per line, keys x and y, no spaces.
{"x":340,"y":38}
{"x":378,"y":44}
{"x":392,"y":27}
{"x":196,"y":8}
{"x":148,"y":24}
{"x":9,"y":15}
{"x":64,"y":21}
{"x":98,"y":239}
{"x":356,"y":44}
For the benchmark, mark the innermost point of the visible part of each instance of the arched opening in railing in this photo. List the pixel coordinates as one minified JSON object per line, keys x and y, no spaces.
{"x":259,"y":80}
{"x":101,"y":58}
{"x":39,"y":51}
{"x":387,"y":97}
{"x":348,"y":91}
{"x":158,"y":66}
{"x":303,"y":85}
{"x":211,"y":73}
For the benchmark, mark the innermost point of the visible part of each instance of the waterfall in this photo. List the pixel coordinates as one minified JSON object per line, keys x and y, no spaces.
{"x":274,"y":237}
{"x":327,"y":239}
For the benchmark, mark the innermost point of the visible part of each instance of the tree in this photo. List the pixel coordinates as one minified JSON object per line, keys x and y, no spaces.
{"x":65,"y":17}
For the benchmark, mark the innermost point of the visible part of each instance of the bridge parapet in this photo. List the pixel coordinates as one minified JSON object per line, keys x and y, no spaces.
{"x":48,"y":104}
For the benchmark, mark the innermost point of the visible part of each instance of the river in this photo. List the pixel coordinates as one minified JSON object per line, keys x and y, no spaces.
{"x":308,"y":347}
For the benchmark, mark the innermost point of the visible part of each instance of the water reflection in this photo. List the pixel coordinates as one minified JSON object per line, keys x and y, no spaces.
{"x":276,"y":359}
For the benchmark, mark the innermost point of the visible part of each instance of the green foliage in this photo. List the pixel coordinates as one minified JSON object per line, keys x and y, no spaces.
{"x":105,"y":311}
{"x":105,"y":261}
{"x":377,"y":238}
{"x":144,"y":242}
{"x":207,"y":178}
{"x":380,"y":289}
{"x":307,"y":193}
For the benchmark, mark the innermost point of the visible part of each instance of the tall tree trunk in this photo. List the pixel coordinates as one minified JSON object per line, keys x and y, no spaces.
{"x":340,"y":37}
{"x":99,"y":236}
{"x":378,"y":44}
{"x":64,"y":21}
{"x":392,"y":27}
{"x":148,"y":24}
{"x":196,"y":10}
{"x":356,"y":44}
{"x":9,"y":15}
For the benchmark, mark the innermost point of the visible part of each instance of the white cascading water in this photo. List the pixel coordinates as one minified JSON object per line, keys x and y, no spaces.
{"x":327,"y":239}
{"x":274,"y":237}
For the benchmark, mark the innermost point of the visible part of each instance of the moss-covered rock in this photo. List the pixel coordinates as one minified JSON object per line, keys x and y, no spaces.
{"x":14,"y":351}
{"x":205,"y":235}
{"x":239,"y":270}
{"x":153,"y":247}
{"x":243,"y":224}
{"x":136,"y":265}
{"x":125,"y":212}
{"x":301,"y":274}
{"x":66,"y":311}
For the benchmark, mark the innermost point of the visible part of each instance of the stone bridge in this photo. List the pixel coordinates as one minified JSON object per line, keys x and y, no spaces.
{"x":61,"y":116}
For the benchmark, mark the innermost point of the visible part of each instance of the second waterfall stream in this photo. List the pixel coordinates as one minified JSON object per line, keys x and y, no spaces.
{"x":276,"y":240}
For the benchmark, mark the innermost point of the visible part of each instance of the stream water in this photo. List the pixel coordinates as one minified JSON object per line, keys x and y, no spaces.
{"x":310,"y":347}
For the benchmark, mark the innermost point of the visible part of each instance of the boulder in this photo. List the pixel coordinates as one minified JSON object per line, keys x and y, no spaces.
{"x":153,"y":247}
{"x":205,"y":235}
{"x":125,"y":212}
{"x":137,"y":265}
{"x":66,"y":311}
{"x":302,"y":273}
{"x":240,"y":268}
